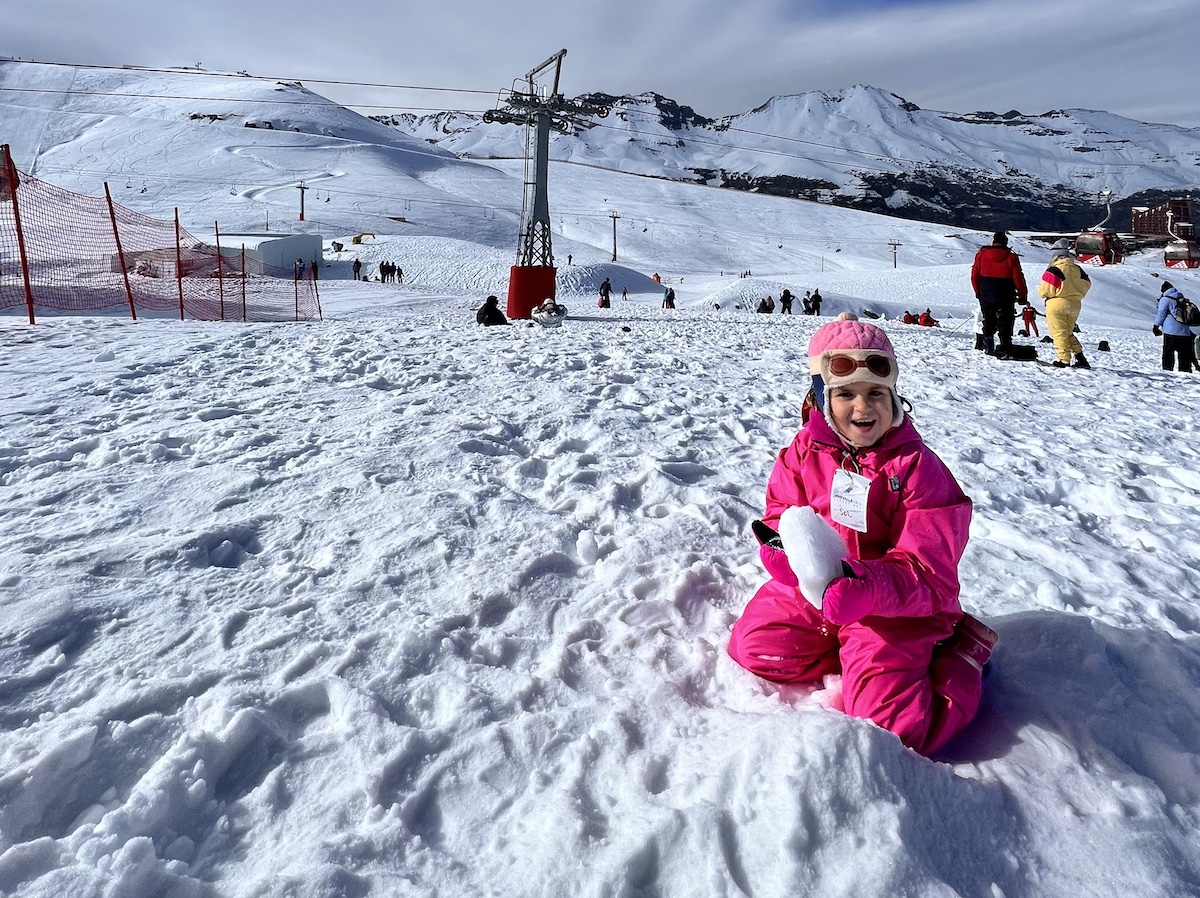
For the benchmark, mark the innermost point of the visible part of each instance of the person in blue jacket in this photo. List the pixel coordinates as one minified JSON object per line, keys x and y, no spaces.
{"x":1177,"y":336}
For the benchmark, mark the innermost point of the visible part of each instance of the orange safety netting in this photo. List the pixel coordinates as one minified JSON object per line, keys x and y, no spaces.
{"x":67,"y":252}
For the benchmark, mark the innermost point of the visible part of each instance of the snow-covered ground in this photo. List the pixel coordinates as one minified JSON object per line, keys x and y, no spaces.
{"x":391,"y":604}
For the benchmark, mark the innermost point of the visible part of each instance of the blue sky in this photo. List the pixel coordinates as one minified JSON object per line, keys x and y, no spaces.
{"x":719,"y":58}
{"x":836,"y":6}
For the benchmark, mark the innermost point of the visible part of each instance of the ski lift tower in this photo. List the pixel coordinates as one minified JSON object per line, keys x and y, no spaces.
{"x":531,"y":280}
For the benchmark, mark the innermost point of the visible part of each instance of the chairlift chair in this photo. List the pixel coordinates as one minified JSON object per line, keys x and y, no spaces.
{"x":1181,"y":251}
{"x":1099,"y":247}
{"x":1182,"y":254}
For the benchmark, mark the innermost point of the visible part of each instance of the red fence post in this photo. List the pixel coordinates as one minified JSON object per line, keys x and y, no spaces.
{"x":220,"y":274}
{"x":120,"y":252}
{"x":178,"y":264}
{"x":243,"y":282}
{"x":10,"y":175}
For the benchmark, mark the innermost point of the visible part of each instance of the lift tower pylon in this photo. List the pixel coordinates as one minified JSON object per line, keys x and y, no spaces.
{"x":531,"y":279}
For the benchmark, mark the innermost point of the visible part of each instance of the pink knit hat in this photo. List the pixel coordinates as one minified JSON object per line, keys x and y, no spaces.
{"x":867,"y":346}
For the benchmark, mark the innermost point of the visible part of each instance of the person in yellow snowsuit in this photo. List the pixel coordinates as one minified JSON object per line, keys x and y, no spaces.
{"x":1063,"y":287}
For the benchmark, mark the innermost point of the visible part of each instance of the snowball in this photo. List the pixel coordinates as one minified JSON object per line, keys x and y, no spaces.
{"x":814,"y":550}
{"x":586,"y":547}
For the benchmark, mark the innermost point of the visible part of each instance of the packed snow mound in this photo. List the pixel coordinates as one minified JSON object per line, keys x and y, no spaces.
{"x":449,"y":266}
{"x":200,"y":99}
{"x":441,"y":265}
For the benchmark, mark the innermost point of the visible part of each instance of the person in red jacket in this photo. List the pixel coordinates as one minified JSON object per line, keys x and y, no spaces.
{"x":999,"y":284}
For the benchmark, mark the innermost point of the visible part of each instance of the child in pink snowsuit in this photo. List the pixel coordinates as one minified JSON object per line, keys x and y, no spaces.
{"x":890,"y":624}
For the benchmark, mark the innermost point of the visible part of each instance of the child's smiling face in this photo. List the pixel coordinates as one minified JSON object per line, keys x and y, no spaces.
{"x":862,"y":412}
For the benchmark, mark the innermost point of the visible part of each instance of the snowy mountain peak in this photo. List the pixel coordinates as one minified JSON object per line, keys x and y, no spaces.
{"x":669,"y":114}
{"x":871,"y":149}
{"x":855,"y":94}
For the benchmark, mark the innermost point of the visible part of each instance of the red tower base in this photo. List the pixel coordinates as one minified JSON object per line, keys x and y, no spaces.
{"x":528,"y":286}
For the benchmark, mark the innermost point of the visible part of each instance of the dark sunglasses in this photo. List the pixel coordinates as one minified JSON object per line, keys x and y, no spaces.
{"x":844,"y":366}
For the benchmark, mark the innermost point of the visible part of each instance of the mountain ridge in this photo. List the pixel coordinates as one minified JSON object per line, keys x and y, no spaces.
{"x":859,"y":148}
{"x":867,"y":148}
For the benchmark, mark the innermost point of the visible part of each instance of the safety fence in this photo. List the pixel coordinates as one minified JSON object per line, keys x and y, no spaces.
{"x":66,"y":252}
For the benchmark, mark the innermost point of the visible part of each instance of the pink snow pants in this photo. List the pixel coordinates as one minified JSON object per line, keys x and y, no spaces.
{"x":893,"y":671}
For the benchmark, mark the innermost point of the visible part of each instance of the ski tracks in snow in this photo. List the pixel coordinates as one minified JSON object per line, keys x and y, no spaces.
{"x":300,"y":582}
{"x":331,"y":501}
{"x":1077,"y":525}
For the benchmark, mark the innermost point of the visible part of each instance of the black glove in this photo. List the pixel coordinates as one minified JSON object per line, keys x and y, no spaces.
{"x":766,"y":534}
{"x":1156,"y":330}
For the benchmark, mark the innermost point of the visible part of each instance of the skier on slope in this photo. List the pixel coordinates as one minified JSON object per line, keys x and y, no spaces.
{"x":880,"y":608}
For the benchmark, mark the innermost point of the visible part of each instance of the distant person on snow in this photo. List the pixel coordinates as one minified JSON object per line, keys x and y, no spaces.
{"x":816,"y":301}
{"x":356,"y":268}
{"x":605,"y":301}
{"x":862,"y":536}
{"x":549,"y":313}
{"x":1029,"y":320}
{"x":926,"y":319}
{"x":669,"y":298}
{"x":1177,"y":336}
{"x":1064,"y":285}
{"x":999,"y":283}
{"x":909,"y":318}
{"x":785,"y":302}
{"x":489,"y":313}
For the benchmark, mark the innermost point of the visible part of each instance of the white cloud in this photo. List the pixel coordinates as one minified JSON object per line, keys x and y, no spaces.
{"x":959,"y":56}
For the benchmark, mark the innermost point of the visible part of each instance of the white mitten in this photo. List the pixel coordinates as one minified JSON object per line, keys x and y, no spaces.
{"x":814,"y":550}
